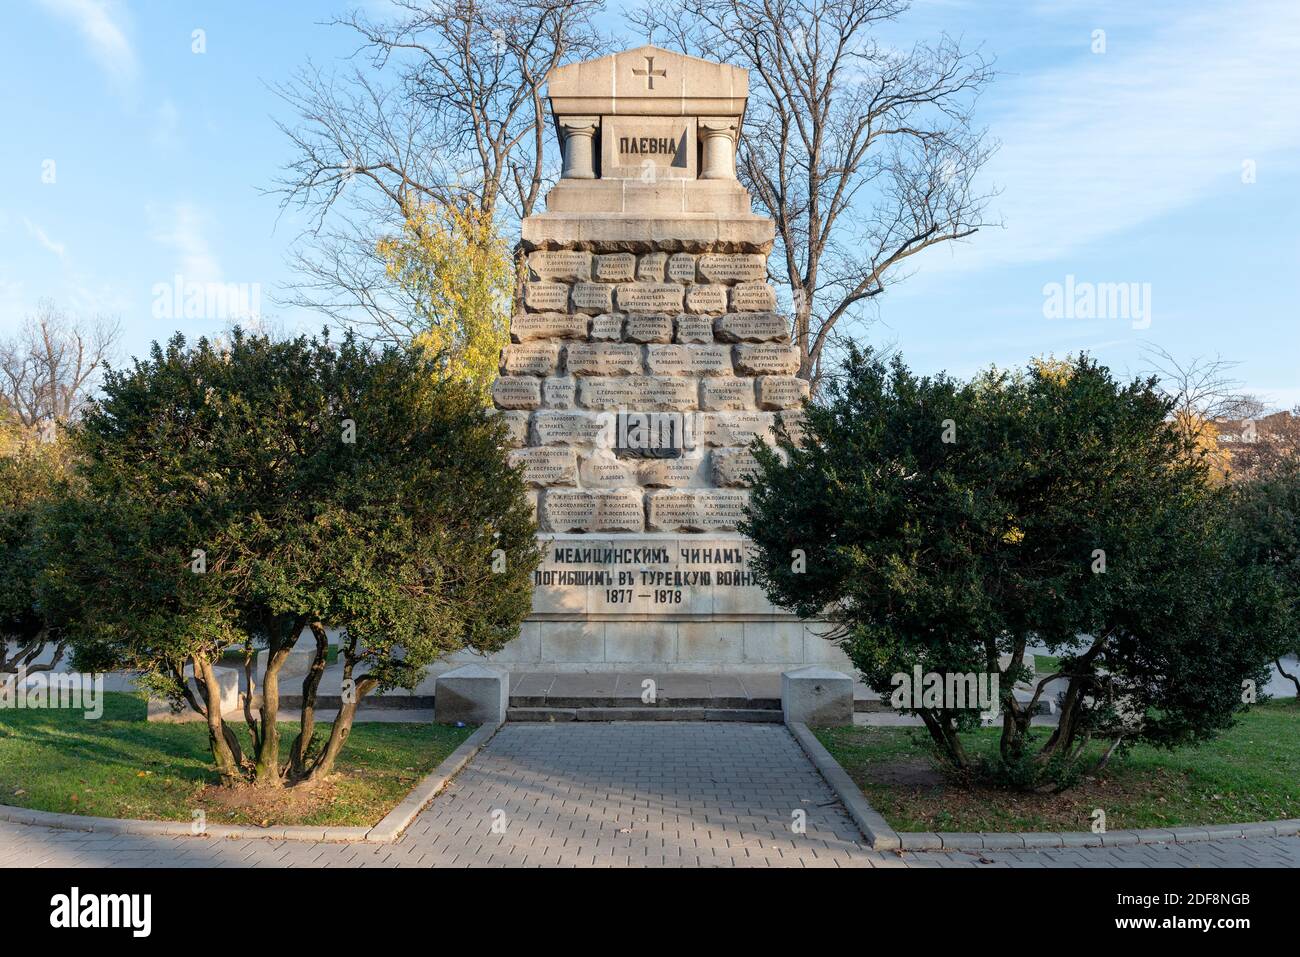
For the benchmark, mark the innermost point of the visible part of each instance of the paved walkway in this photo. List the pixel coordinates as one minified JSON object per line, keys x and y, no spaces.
{"x":623,"y":794}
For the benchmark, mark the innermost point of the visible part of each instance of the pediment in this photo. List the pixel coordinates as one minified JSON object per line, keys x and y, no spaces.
{"x":648,"y":80}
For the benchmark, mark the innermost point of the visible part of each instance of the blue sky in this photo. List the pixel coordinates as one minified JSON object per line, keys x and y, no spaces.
{"x":1122,"y":166}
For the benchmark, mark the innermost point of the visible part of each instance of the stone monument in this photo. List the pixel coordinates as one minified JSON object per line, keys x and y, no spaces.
{"x":645,"y":356}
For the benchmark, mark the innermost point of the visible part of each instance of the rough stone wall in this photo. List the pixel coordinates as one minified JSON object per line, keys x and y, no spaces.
{"x":604,"y":332}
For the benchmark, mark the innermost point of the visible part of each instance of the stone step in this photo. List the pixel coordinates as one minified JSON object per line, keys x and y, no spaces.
{"x":664,"y":701}
{"x":661,"y":713}
{"x":332,"y":702}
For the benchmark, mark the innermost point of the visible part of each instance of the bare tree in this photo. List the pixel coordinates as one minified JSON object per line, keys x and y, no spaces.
{"x":1244,"y":437}
{"x":448,"y":109}
{"x":1201,"y":387}
{"x":864,"y":155}
{"x":48,"y":369}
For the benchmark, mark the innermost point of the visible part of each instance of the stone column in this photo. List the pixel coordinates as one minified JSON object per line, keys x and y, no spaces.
{"x":719,"y":137}
{"x":578,"y":133}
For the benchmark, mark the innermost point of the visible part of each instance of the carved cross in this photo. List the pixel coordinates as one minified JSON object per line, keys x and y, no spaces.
{"x":649,"y":72}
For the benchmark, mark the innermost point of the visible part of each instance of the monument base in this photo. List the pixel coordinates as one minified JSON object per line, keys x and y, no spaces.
{"x":658,"y":601}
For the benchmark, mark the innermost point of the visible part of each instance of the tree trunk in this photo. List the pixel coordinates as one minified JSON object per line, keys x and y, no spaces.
{"x":1015,"y":719}
{"x":1104,"y":760}
{"x":1294,"y":679}
{"x":939,"y":724}
{"x":267,"y":772}
{"x":21,"y":662}
{"x":1063,"y":736}
{"x":342,"y":724}
{"x":250,"y":688}
{"x":1080,"y":675}
{"x":221,"y":739}
{"x":310,"y":686}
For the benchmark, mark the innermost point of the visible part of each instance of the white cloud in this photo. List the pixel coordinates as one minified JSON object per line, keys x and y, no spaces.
{"x":1158,"y":122}
{"x":39,"y":234}
{"x":179,"y":227}
{"x":97,"y":21}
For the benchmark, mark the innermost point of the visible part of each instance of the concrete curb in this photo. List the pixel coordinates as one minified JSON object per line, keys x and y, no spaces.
{"x":881,"y":837}
{"x":386,"y":831}
{"x":397,"y":820}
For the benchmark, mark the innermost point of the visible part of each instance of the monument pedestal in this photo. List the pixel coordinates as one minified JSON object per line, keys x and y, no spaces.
{"x":646,"y":356}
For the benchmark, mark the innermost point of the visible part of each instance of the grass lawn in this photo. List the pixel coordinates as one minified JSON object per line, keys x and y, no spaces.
{"x":123,"y":766}
{"x":1251,"y":773}
{"x":1046,"y":664}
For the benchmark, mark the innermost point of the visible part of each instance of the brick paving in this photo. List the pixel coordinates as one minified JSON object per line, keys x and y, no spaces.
{"x":618,"y":795}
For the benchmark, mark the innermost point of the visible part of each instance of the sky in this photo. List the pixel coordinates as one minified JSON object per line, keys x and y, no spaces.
{"x":1154,"y":145}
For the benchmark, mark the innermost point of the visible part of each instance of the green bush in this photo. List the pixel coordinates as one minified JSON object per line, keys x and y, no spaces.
{"x":235,"y":495}
{"x":944,"y":524}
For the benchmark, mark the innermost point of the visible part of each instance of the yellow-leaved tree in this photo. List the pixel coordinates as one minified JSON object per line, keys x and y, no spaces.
{"x":458,"y":272}
{"x":1203,"y":436}
{"x":1052,"y":369}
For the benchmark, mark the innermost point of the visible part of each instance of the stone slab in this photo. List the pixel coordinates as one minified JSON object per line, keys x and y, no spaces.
{"x":517,"y":392}
{"x":543,"y":467}
{"x":782,"y":392}
{"x":692,"y":360}
{"x":751,"y":327}
{"x":546,"y":296}
{"x":752,"y":297}
{"x":559,"y":392}
{"x":732,"y":268}
{"x":472,"y":694}
{"x":766,"y":359}
{"x":726,"y":394}
{"x":654,"y":297}
{"x":616,"y":267}
{"x":593,"y":298}
{"x":817,"y":696}
{"x":693,"y":329}
{"x":607,"y":327}
{"x":516,"y":423}
{"x":530,"y":358}
{"x":602,"y":359}
{"x":527,"y":326}
{"x":560,"y":265}
{"x":643,"y":393}
{"x":707,"y":299}
{"x":649,"y":327}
